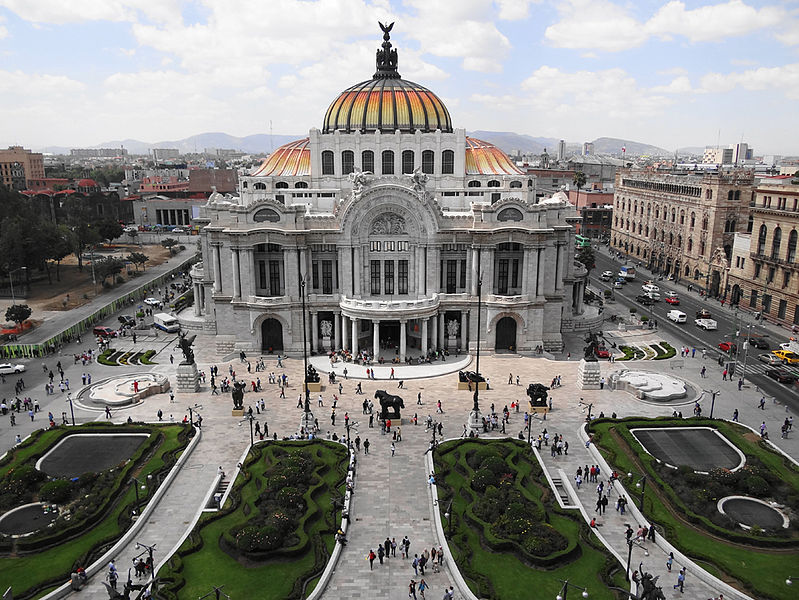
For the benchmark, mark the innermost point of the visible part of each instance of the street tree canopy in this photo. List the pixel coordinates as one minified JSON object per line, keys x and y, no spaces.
{"x":18,"y":313}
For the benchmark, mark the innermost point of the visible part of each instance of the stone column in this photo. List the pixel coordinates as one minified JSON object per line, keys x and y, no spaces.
{"x":526,"y":272}
{"x":314,"y":330}
{"x":358,"y":272}
{"x":375,"y":339}
{"x":354,"y":336}
{"x":236,"y":273}
{"x":403,"y":342}
{"x":441,"y":331}
{"x":247,"y":279}
{"x":434,"y":333}
{"x":345,"y":333}
{"x":337,"y":331}
{"x":433,"y":268}
{"x":197,"y":300}
{"x":217,"y":268}
{"x":421,"y":268}
{"x":487,"y":262}
{"x":532,"y":279}
{"x":424,"y":337}
{"x":475,"y":272}
{"x":464,"y":336}
{"x":345,"y":271}
{"x":581,"y":299}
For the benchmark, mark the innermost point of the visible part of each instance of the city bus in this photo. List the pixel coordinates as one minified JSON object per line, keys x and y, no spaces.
{"x":580,"y":241}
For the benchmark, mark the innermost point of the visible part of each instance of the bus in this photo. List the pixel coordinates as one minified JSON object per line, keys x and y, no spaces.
{"x":580,"y":241}
{"x":626,"y":272}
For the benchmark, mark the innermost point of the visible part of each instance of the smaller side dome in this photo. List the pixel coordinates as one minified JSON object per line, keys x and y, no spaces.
{"x":290,"y":160}
{"x":483,"y":158}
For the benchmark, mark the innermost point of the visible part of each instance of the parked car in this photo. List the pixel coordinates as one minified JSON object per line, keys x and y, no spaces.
{"x":178,"y":230}
{"x":618,"y":284}
{"x":649,"y":287}
{"x":759,"y":343}
{"x":728,"y":347}
{"x":706,"y":324}
{"x":769,"y":358}
{"x":9,"y":369}
{"x":673,"y":300}
{"x":127,"y":320}
{"x":782,"y":375}
{"x":131,"y":229}
{"x":601,"y":352}
{"x":644,"y":299}
{"x":703,"y":313}
{"x":606,"y":275}
{"x":152,"y":301}
{"x":786,"y":356}
{"x":677,"y":316}
{"x":105,"y":332}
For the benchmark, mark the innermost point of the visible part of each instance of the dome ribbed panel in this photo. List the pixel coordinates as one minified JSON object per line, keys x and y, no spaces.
{"x":290,"y":160}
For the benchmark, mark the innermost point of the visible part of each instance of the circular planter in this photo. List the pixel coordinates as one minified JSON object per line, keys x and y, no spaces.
{"x":26,"y":519}
{"x":750,"y":512}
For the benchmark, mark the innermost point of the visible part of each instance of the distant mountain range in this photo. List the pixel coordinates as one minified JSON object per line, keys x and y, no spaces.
{"x":263,"y":143}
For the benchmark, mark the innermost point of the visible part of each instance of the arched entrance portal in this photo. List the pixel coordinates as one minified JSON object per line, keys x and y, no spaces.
{"x":506,"y":335}
{"x":736,"y":294}
{"x":271,"y":336}
{"x":715,"y":284}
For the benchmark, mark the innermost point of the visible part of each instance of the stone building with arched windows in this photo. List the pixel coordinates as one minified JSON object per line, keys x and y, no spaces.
{"x":388,"y":219}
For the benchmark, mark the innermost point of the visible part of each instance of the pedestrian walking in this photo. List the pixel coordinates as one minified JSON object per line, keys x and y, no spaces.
{"x":371,"y":556}
{"x":393,"y":448}
{"x":366,"y":446}
{"x":762,"y":405}
{"x":681,"y":581}
{"x":669,"y":561}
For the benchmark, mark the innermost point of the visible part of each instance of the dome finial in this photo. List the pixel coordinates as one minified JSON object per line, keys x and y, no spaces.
{"x":387,"y":56}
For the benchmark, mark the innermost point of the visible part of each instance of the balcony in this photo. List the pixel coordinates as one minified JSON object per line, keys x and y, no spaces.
{"x":387,"y":310}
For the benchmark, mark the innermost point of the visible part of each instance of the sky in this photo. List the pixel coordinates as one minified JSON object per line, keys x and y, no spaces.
{"x":674,"y":74}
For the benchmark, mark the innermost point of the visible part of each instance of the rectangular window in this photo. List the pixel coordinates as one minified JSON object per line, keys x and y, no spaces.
{"x":753,"y":299}
{"x":515,"y":274}
{"x":502,"y":276}
{"x":327,"y":162}
{"x":388,"y":162}
{"x":389,"y":246}
{"x":783,"y":308}
{"x":786,"y":278}
{"x":402,"y":277}
{"x":428,"y":162}
{"x":407,"y":162}
{"x":796,"y":314}
{"x":262,"y":284}
{"x":771,"y":272}
{"x":757,"y":270}
{"x":389,"y":277}
{"x":374,"y":246}
{"x":463,"y":274}
{"x":315,"y":275}
{"x":452,"y":273}
{"x":766,"y":303}
{"x":274,"y":277}
{"x":327,"y":276}
{"x":447,"y":162}
{"x":375,"y":272}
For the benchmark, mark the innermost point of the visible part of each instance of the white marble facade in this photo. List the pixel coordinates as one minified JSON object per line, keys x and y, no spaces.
{"x":391,"y":257}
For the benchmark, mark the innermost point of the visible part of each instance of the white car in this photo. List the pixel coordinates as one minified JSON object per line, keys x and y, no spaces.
{"x":649,"y":287}
{"x":130,"y":230}
{"x":152,"y":301}
{"x":177,"y":231}
{"x":618,"y":284}
{"x":606,"y":275}
{"x":9,"y":369}
{"x":706,"y":324}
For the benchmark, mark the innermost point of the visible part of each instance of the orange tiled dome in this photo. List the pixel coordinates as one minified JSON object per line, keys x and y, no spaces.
{"x":483,"y":158}
{"x":290,"y":160}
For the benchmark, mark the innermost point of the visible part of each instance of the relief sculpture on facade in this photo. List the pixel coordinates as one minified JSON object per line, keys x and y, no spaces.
{"x":389,"y":224}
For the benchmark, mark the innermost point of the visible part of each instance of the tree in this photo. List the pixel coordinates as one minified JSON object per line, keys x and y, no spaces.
{"x":109,"y":230}
{"x":18,"y":313}
{"x":138,"y":258}
{"x":579,"y":179}
{"x":170,"y":243}
{"x":108,"y":267}
{"x":84,"y":234}
{"x":585,"y":255}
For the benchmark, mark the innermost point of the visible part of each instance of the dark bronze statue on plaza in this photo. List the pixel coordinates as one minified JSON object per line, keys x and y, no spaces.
{"x":389,"y":401}
{"x":592,"y":341}
{"x":238,"y":394}
{"x":312,"y":375}
{"x":538,"y":394}
{"x":185,"y":344}
{"x":467,"y":376}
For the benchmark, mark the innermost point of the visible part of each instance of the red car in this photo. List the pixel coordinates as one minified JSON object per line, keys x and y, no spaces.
{"x":673,"y":300}
{"x":601,"y":352}
{"x":728,"y":347}
{"x":105,"y":332}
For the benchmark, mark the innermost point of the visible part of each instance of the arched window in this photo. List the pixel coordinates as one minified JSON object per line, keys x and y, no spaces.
{"x":260,"y":186}
{"x":388,"y":162}
{"x":347,"y":162}
{"x":407,"y":162}
{"x":673,"y":215}
{"x":690,"y":245}
{"x":750,"y":224}
{"x":776,"y":241}
{"x":704,"y":223}
{"x":448,"y":163}
{"x":657,"y":213}
{"x":679,"y":242}
{"x":682,"y":217}
{"x":301,"y":185}
{"x":327,"y":162}
{"x":368,"y":161}
{"x":693,"y":220}
{"x":281,"y":185}
{"x":428,"y":162}
{"x":474,"y":183}
{"x":648,"y":209}
{"x":244,"y":185}
{"x":639,"y":229}
{"x":671,"y":239}
{"x":792,"y":246}
{"x":646,"y":231}
{"x":761,"y":239}
{"x":493,"y":183}
{"x":737,"y":195}
{"x":515,"y":184}
{"x":730,"y":196}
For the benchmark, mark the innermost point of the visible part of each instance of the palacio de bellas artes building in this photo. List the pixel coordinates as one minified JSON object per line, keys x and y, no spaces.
{"x":389,"y":218}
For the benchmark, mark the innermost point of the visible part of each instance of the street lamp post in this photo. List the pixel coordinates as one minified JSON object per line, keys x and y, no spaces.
{"x":71,"y":409}
{"x":642,"y":484}
{"x":448,"y":516}
{"x":475,"y":417}
{"x":713,"y":394}
{"x":136,"y":488}
{"x":306,"y":425}
{"x":565,"y":588}
{"x":191,"y":413}
{"x":11,"y":281}
{"x":250,"y":418}
{"x":149,"y":550}
{"x":217,"y":593}
{"x":789,"y":580}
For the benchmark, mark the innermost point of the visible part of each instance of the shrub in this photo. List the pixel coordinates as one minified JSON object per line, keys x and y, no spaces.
{"x":58,"y":491}
{"x":757,"y":486}
{"x":644,"y":319}
{"x":495,"y":464}
{"x":475,"y":460}
{"x":482,"y":479}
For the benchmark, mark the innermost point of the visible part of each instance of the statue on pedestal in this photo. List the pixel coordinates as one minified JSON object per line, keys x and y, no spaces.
{"x":238,"y":395}
{"x":592,"y":341}
{"x":185,"y":344}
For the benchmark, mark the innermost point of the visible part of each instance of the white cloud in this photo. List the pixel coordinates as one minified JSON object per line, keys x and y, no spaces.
{"x":17,"y":84}
{"x":604,"y":25}
{"x":784,"y":78}
{"x":3,"y":30}
{"x":77,"y":11}
{"x":678,"y":85}
{"x":514,"y":10}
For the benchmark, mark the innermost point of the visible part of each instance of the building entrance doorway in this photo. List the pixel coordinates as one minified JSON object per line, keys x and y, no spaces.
{"x":715,"y":284}
{"x":271,"y":336}
{"x":389,"y":338}
{"x":506,"y":335}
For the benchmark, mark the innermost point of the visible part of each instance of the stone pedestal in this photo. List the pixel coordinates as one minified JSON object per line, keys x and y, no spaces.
{"x":326,"y":343}
{"x":188,"y":378}
{"x":588,"y":375}
{"x":475,"y":422}
{"x":464,"y":385}
{"x":315,"y":387}
{"x":307,"y":422}
{"x":237,"y":412}
{"x":452,"y":342}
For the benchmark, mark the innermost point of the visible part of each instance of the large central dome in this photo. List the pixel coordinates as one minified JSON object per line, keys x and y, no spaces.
{"x":387,"y":102}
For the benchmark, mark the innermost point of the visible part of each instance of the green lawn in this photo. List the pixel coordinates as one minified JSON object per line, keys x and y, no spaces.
{"x":746,"y":560}
{"x":209,"y":558}
{"x":497,"y":567}
{"x":43,"y":567}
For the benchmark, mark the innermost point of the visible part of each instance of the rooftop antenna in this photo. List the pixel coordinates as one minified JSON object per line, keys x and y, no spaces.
{"x":718,"y":139}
